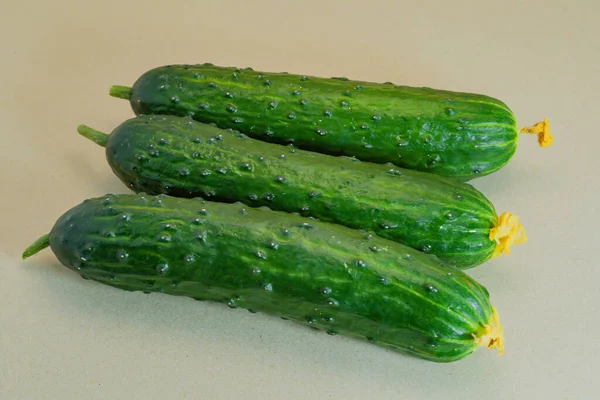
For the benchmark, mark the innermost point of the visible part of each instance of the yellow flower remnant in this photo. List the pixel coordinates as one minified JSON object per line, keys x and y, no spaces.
{"x":507,"y":233}
{"x":542,"y":130}
{"x":493,"y":337}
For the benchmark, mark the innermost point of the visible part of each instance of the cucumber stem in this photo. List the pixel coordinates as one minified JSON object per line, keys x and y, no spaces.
{"x":542,"y":130}
{"x":120,"y":92}
{"x":37,"y":246}
{"x":95,"y":136}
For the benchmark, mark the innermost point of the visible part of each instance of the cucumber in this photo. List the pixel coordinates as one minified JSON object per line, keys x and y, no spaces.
{"x":184,"y":158}
{"x":318,"y":274}
{"x":462,"y":135}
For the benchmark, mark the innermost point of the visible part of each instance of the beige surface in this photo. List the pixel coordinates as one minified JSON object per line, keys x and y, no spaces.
{"x":65,"y":338}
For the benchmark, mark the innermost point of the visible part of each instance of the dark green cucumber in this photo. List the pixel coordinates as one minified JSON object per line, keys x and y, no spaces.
{"x":462,"y":135}
{"x":318,"y":274}
{"x":184,"y":158}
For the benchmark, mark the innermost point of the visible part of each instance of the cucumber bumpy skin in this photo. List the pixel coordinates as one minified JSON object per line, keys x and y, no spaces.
{"x":318,"y":274}
{"x":457,"y":134}
{"x":181,"y":157}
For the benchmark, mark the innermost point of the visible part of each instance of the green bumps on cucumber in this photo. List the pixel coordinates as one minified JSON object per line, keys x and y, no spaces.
{"x":318,"y":274}
{"x":164,"y":154}
{"x":461,"y":135}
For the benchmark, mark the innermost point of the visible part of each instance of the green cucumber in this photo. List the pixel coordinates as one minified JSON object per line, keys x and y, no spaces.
{"x":181,"y":157}
{"x":462,"y":135}
{"x":318,"y":274}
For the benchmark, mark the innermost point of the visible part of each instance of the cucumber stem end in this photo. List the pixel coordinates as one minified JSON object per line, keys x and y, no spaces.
{"x":120,"y":92}
{"x":95,"y":136}
{"x":37,"y":246}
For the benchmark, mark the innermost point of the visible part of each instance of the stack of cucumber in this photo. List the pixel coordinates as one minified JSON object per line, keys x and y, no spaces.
{"x":341,"y":205}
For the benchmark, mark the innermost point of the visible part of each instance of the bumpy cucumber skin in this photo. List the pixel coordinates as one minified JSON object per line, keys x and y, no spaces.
{"x":462,"y":135}
{"x":180,"y":157}
{"x":322,"y":275}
